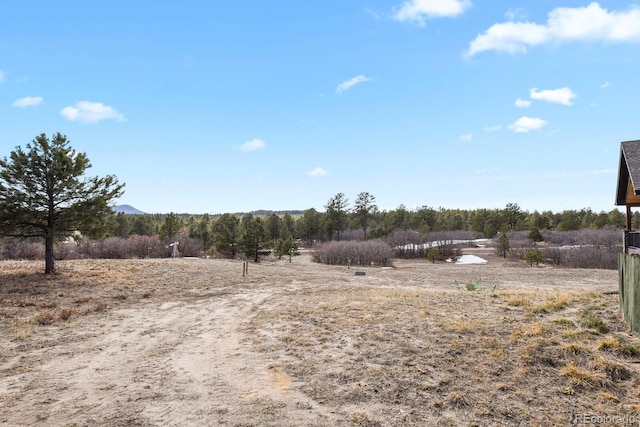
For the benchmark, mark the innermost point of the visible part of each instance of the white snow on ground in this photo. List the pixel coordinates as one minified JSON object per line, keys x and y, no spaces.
{"x":416,"y":246}
{"x":471,"y":259}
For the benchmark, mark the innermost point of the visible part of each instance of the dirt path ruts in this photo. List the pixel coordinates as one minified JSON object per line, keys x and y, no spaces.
{"x":174,"y":363}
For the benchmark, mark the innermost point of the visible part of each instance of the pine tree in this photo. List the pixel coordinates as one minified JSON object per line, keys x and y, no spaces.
{"x":254,"y":238}
{"x":503,"y":245}
{"x":335,"y":218}
{"x":170,"y":226}
{"x":365,"y":208}
{"x":287,"y":246}
{"x":44,"y":194}
{"x":226,"y":231}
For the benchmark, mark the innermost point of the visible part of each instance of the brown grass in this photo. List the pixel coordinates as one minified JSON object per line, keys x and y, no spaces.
{"x":395,"y":347}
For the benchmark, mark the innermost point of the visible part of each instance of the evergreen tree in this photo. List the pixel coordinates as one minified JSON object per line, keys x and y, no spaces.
{"x":535,"y":235}
{"x":144,"y":225}
{"x":503,"y":245}
{"x":254,"y":238}
{"x":288,"y":226}
{"x":170,"y":226}
{"x":309,"y":225}
{"x":124,"y":225}
{"x":533,"y":256}
{"x":273,"y":225}
{"x":287,"y":246}
{"x":512,"y":215}
{"x":226,"y":231}
{"x":335,"y":218}
{"x":365,"y":207}
{"x":44,"y":194}
{"x":201,"y":228}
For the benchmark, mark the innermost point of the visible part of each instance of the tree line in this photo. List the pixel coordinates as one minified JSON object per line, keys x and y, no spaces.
{"x":45,"y":196}
{"x":363,"y":221}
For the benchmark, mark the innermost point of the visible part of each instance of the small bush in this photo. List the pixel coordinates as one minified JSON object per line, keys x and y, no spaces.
{"x":589,"y":320}
{"x":473,"y":286}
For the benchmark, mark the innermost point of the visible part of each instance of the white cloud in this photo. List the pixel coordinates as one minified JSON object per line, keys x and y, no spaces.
{"x":559,"y":96}
{"x":522,"y":103}
{"x":606,"y":85}
{"x":253,"y":145}
{"x":2,"y":76}
{"x":351,"y":83}
{"x":91,"y":112}
{"x":564,"y":24}
{"x":417,"y":10}
{"x":316,"y":172}
{"x":466,"y":137}
{"x":28,"y":101}
{"x":495,"y":128}
{"x":526,"y":124}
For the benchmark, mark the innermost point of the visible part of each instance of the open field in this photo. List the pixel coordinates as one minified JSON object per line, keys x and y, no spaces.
{"x":190,"y":342}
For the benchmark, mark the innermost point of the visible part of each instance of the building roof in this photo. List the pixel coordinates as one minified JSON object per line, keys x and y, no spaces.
{"x":628,"y":171}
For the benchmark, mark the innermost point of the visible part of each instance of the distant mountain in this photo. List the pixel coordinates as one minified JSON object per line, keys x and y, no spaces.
{"x":265,"y":212}
{"x":127,"y":209}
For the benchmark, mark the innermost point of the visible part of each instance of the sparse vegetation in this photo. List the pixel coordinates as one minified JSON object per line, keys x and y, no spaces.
{"x":473,"y":286}
{"x":311,"y":344}
{"x":365,"y":254}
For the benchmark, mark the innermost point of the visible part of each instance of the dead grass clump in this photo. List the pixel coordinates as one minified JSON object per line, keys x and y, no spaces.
{"x":553,"y":303}
{"x":607,"y":397}
{"x":44,"y":318}
{"x":576,"y":335}
{"x":536,"y":329}
{"x":458,"y":399}
{"x":538,"y":352}
{"x":23,"y":329}
{"x":620,"y":346}
{"x":149,"y":293}
{"x":35,"y":302}
{"x":519,"y":302}
{"x":575,"y":349}
{"x":100,"y":308}
{"x":615,"y":371}
{"x":362,"y":419}
{"x":578,"y":377}
{"x":66,"y":313}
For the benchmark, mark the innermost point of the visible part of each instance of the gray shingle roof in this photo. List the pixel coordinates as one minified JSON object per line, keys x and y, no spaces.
{"x":629,"y":168}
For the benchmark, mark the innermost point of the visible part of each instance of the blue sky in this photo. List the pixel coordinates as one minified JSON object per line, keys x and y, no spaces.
{"x":236,"y":106}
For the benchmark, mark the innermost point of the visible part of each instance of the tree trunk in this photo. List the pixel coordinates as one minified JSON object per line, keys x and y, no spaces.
{"x":257,"y":249}
{"x":48,"y":255}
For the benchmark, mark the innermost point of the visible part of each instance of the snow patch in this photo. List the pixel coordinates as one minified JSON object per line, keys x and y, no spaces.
{"x":471,"y":259}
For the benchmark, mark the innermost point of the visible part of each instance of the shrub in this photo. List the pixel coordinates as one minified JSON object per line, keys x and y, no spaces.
{"x":606,"y":236}
{"x":411,"y":244}
{"x":408,"y":244}
{"x":601,"y":257}
{"x":533,"y":257}
{"x":355,"y":253}
{"x":11,"y":248}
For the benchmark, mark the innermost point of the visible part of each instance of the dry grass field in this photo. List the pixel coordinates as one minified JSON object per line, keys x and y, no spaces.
{"x":191,"y":342}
